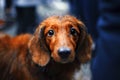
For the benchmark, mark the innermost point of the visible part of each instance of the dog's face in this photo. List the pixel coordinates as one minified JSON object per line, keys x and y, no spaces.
{"x":60,"y":38}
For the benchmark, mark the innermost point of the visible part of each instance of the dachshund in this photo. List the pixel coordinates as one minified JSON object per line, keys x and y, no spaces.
{"x":58,"y":47}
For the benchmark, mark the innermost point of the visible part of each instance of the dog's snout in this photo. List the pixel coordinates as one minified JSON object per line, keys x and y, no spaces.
{"x":64,"y":52}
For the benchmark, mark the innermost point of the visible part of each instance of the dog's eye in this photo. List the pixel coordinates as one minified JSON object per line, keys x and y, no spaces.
{"x":73,"y":31}
{"x":50,"y":33}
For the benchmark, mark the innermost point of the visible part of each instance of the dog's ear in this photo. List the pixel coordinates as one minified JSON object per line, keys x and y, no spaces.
{"x":38,"y":48}
{"x":84,"y":47}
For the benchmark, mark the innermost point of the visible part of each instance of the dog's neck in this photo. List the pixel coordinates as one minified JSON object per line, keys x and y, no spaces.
{"x":52,"y":69}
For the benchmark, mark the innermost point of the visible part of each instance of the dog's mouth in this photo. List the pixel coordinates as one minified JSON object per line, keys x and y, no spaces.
{"x":64,"y":61}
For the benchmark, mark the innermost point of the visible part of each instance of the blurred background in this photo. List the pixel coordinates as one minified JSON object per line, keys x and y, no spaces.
{"x":21,"y":16}
{"x":102,"y":18}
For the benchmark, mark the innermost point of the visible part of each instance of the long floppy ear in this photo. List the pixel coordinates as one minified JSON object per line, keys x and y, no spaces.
{"x":38,"y":48}
{"x":84,"y":47}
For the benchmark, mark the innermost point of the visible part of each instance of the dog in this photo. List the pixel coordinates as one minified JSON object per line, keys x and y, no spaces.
{"x":55,"y":51}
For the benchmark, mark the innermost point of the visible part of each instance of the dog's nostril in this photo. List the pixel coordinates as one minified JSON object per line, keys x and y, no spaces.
{"x":64,"y":52}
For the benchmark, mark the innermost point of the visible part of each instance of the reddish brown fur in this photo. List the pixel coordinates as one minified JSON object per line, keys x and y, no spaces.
{"x":35,"y":57}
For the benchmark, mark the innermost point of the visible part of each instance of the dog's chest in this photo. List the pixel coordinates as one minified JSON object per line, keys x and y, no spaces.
{"x":58,"y":72}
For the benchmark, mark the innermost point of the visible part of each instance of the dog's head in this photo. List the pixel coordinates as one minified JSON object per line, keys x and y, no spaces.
{"x":62,"y":38}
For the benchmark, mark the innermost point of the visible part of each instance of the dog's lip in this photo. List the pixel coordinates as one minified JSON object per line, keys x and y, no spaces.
{"x":61,"y":60}
{"x":64,"y":60}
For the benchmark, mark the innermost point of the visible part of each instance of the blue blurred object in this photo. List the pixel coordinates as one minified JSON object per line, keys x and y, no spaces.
{"x":106,"y":63}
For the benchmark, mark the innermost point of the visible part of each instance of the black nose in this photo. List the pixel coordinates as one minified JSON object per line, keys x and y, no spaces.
{"x":64,"y":52}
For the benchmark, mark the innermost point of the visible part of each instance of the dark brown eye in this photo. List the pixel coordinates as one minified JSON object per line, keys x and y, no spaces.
{"x":73,"y":31}
{"x":50,"y":33}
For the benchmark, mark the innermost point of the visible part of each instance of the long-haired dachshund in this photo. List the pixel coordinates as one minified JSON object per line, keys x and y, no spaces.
{"x":58,"y":47}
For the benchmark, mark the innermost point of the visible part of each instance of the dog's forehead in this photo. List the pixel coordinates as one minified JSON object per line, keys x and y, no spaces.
{"x":61,"y":18}
{"x":60,"y":21}
{"x":65,"y":22}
